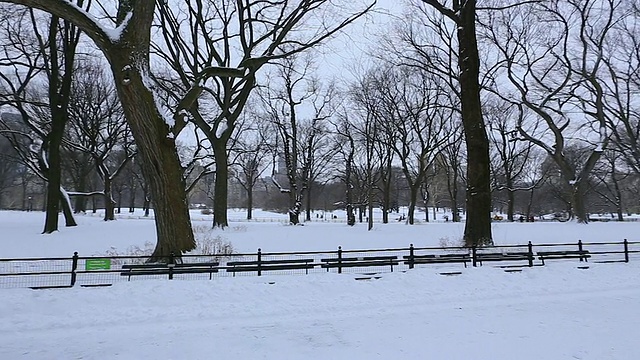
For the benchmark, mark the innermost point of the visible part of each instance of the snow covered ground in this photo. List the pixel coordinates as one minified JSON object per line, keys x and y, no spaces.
{"x":553,"y":312}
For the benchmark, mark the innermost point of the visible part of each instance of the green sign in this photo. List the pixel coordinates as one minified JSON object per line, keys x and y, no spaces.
{"x":97,"y":264}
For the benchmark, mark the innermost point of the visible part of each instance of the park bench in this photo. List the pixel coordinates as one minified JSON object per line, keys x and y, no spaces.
{"x":360,"y":261}
{"x":169,"y":269}
{"x":583,"y":255}
{"x":268,"y":265}
{"x":437,"y":259}
{"x":481,"y":257}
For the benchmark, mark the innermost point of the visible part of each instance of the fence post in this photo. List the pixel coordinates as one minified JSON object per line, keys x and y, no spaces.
{"x":530,"y":254}
{"x":74,"y":267}
{"x":171,"y":264}
{"x":474,"y":252}
{"x":411,"y":256}
{"x":259,"y":262}
{"x":626,"y":251}
{"x":580,"y":249}
{"x":339,"y":259}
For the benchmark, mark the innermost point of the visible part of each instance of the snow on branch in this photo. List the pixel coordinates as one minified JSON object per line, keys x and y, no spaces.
{"x":68,"y":10}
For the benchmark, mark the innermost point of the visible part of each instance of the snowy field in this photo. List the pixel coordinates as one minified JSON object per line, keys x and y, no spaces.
{"x":553,"y":312}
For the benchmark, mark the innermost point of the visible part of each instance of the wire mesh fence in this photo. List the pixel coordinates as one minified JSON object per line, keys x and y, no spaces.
{"x":106,"y":270}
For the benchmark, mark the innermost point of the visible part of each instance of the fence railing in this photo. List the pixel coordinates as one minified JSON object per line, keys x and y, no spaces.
{"x":89,"y":271}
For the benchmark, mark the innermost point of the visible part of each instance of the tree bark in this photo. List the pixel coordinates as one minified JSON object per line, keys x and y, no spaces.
{"x":109,"y":205}
{"x":413,"y":193}
{"x":478,"y":221}
{"x":220,"y":184}
{"x":250,"y":203}
{"x":157,"y":149}
{"x":578,"y":207}
{"x":128,"y":56}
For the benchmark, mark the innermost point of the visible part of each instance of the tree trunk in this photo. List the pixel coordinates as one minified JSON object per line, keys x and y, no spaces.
{"x":109,"y":205}
{"x":221,"y":185}
{"x":308,"y":207}
{"x":132,"y":197}
{"x":157,"y":149}
{"x":455,"y":214}
{"x":578,"y":208}
{"x":249,"y":202}
{"x":294,"y":206}
{"x":65,"y":204}
{"x":618,"y":194}
{"x":386,"y":194}
{"x":413,"y":193}
{"x":53,"y":172}
{"x":510,"y":204}
{"x":478,"y":224}
{"x":80,"y":201}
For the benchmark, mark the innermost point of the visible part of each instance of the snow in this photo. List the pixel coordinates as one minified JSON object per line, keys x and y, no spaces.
{"x":553,"y":312}
{"x":222,"y":127}
{"x":114,"y":34}
{"x":602,"y":140}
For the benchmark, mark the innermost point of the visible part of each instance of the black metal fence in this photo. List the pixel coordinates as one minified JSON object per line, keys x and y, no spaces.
{"x":89,"y":271}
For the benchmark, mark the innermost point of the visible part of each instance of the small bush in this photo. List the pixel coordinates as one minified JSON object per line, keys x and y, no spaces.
{"x":208,"y":244}
{"x":446,"y":242}
{"x":206,"y":211}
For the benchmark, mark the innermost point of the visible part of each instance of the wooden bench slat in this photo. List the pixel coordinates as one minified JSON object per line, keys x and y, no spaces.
{"x":255,"y":262}
{"x":164,"y":269}
{"x":565,"y":254}
{"x":358,"y":264}
{"x":359,"y":258}
{"x":245,"y":268}
{"x":144,"y":266}
{"x":481,"y":257}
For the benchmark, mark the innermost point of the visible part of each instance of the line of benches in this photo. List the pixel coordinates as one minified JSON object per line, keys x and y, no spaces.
{"x":341,"y":262}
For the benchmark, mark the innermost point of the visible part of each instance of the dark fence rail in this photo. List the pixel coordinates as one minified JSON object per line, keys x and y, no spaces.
{"x":89,"y":271}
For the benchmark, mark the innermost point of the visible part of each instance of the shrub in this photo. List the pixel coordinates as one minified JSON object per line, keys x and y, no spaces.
{"x":446,"y":242}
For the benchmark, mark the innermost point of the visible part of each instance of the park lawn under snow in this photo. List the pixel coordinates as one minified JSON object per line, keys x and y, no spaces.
{"x":553,"y":312}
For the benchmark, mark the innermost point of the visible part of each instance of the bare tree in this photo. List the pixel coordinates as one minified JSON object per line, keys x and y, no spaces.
{"x":450,"y":162}
{"x":365,"y":107}
{"x":478,"y":219}
{"x":611,"y":177}
{"x":251,"y":152}
{"x":511,"y":154}
{"x":420,"y":112}
{"x":345,"y":144}
{"x":47,"y":54}
{"x":299,"y":136}
{"x":126,"y":46}
{"x":378,"y":134}
{"x":99,"y":129}
{"x":228,"y":42}
{"x":9,"y":167}
{"x":564,"y":91}
{"x":623,"y":69}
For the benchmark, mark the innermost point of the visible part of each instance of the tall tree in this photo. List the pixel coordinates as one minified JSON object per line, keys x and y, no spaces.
{"x":511,"y":153}
{"x":127,"y":46}
{"x":478,"y":220}
{"x":99,"y":130}
{"x":46,"y":114}
{"x":559,"y":77}
{"x":293,"y":88}
{"x":228,"y":43}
